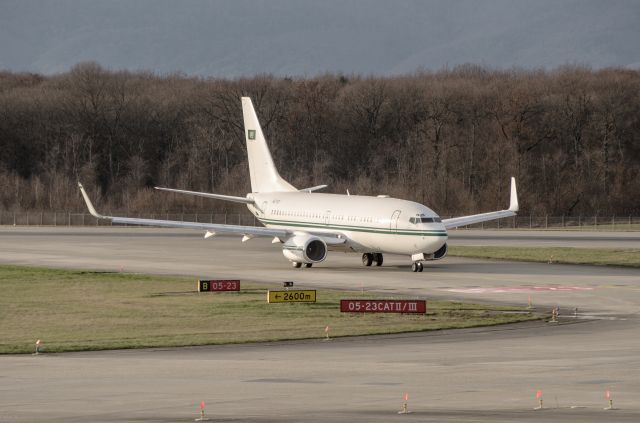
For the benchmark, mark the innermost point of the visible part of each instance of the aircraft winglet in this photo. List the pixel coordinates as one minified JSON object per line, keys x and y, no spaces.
{"x":513,"y":202}
{"x":92,"y":210}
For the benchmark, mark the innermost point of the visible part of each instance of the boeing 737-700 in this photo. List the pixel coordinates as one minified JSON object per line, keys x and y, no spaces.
{"x":308,"y":224}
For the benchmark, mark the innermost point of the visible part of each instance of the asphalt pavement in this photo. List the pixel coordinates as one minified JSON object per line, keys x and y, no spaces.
{"x":483,"y":375}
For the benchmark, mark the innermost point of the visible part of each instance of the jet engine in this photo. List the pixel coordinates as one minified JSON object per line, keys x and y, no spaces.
{"x":305,"y":249}
{"x":441,"y":253}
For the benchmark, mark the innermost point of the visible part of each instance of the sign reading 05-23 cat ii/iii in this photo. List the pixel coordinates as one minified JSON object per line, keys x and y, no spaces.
{"x":383,"y":306}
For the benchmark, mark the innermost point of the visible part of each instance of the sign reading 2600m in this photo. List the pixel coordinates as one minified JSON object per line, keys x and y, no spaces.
{"x":297,"y":296}
{"x":383,"y":306}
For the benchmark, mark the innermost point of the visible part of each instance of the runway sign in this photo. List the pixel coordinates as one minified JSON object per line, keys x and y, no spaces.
{"x":216,"y":285}
{"x":383,"y":306}
{"x":304,"y":296}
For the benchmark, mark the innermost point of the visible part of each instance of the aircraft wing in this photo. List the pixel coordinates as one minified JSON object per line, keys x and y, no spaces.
{"x":248,"y":232}
{"x":476,"y":218}
{"x":484,"y":217}
{"x":211,"y":228}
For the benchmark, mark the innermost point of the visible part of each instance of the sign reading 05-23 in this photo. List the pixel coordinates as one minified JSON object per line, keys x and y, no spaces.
{"x":217,"y":285}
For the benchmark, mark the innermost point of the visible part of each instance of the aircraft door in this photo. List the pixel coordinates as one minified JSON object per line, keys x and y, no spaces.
{"x":327,"y":217}
{"x":263,"y":209}
{"x":393,"y":224}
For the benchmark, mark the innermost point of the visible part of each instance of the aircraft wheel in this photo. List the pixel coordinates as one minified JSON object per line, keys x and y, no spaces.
{"x":414,"y":267}
{"x":377,"y":257}
{"x":307,"y":265}
{"x":420,"y":266}
{"x":296,"y":264}
{"x":367,"y":259}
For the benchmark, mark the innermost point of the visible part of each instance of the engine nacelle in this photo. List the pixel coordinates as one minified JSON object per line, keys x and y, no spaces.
{"x":441,"y":253}
{"x":305,"y":249}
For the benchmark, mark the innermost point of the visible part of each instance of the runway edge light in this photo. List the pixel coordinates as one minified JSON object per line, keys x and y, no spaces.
{"x":539,"y":397}
{"x":405,"y":407}
{"x":609,"y":397}
{"x":202,"y":418}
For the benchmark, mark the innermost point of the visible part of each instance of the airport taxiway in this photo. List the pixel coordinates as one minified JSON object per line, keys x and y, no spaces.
{"x":487,"y":375}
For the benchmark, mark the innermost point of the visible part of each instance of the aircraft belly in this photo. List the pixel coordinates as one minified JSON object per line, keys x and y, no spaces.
{"x":393,"y":243}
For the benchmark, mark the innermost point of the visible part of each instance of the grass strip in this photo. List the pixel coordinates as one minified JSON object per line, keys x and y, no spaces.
{"x":564,"y":255}
{"x":79,"y":310}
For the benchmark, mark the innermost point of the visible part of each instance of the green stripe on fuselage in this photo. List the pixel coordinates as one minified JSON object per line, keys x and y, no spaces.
{"x":413,"y":232}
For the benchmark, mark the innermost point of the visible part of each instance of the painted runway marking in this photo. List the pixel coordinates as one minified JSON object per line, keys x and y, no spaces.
{"x":508,"y":289}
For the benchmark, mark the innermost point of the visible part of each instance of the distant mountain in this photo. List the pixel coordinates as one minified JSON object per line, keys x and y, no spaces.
{"x":296,"y":37}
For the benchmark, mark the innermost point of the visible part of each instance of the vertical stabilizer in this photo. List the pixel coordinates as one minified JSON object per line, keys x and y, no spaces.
{"x":264,"y":175}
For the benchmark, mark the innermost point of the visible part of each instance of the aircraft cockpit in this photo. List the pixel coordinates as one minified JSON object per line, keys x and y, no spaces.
{"x":423,"y":219}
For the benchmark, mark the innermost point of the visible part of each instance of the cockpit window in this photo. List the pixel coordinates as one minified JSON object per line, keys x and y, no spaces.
{"x":415,"y":220}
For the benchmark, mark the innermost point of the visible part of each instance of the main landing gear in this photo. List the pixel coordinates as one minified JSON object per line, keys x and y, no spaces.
{"x":298,"y":265}
{"x":369,"y":258}
{"x":416,"y":266}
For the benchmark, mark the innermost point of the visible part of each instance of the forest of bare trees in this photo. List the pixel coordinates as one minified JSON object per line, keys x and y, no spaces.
{"x":448,"y":139}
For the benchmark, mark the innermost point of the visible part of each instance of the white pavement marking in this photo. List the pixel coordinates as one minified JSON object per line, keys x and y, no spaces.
{"x":509,"y":289}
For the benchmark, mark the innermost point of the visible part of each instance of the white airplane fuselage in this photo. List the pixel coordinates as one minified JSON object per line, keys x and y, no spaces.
{"x":308,"y":224}
{"x":379,"y":224}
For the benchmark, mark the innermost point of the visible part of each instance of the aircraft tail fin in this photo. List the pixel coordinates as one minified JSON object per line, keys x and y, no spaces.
{"x":264,"y":175}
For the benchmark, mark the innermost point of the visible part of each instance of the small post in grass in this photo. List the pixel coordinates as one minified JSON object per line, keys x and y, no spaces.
{"x":38,"y":346}
{"x":326,"y":333}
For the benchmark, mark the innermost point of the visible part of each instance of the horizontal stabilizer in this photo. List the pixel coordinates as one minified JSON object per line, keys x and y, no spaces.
{"x":208,"y":195}
{"x":316,"y":188}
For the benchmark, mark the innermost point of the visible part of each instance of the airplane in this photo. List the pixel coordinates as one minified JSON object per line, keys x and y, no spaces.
{"x":309,"y":224}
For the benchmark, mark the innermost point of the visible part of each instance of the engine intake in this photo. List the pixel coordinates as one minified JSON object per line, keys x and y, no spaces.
{"x":305,"y":249}
{"x":441,"y":253}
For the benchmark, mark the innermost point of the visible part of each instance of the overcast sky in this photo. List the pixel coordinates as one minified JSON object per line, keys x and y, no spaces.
{"x":304,"y":38}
